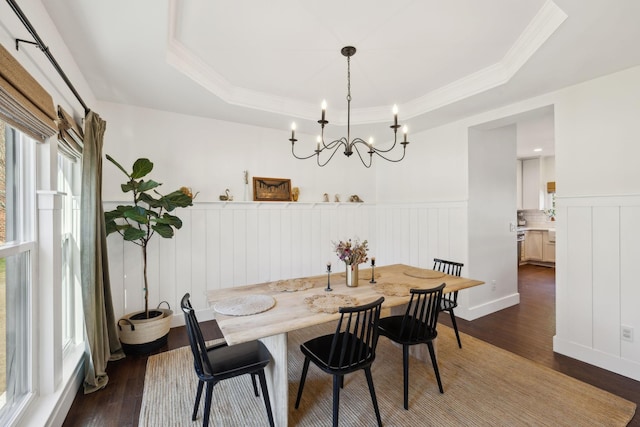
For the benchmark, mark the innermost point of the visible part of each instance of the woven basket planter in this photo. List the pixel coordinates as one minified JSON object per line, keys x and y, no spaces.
{"x":140,"y":335}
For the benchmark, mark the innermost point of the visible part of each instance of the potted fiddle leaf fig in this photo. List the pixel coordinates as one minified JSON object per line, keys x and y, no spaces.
{"x":145,"y":331}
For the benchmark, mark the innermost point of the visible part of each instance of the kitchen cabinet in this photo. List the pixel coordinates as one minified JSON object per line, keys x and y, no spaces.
{"x":533,"y":245}
{"x":548,"y":248}
{"x":519,"y":184}
{"x":532,"y":186}
{"x":539,"y":247}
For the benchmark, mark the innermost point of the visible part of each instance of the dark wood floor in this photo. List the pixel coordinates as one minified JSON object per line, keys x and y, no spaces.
{"x":526,"y":329}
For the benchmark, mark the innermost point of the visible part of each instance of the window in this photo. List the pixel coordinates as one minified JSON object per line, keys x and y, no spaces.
{"x":17,"y":244}
{"x":68,"y":178}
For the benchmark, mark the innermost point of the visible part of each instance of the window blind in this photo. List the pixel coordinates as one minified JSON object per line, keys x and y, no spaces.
{"x":24,"y":103}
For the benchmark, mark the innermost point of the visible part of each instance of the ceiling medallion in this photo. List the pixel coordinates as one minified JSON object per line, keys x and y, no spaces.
{"x":350,"y":145}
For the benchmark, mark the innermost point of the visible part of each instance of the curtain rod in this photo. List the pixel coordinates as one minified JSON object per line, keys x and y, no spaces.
{"x":38,"y":42}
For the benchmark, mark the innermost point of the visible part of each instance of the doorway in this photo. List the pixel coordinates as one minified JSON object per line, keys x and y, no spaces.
{"x":496,"y":152}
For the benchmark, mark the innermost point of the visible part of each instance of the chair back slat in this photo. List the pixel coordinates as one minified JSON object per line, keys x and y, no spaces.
{"x":356,"y":335}
{"x":196,"y":340}
{"x":421,"y":316}
{"x":447,"y":267}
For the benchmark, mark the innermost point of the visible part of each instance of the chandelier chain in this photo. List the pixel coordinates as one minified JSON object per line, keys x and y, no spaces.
{"x":348,"y":78}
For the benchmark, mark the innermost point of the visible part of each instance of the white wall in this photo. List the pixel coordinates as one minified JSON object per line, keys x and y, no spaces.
{"x":435,"y":168}
{"x":599,"y":221}
{"x":211,"y":155}
{"x":492,"y":201}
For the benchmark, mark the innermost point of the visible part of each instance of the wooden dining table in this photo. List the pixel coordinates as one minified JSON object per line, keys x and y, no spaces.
{"x":297,"y":304}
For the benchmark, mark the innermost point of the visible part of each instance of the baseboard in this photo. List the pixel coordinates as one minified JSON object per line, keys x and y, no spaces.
{"x":481,"y":310}
{"x":625,"y":367}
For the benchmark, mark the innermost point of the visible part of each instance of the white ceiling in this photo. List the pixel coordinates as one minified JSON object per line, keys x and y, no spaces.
{"x":269,"y":63}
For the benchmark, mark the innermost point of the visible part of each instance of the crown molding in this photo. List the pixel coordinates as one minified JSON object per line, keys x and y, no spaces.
{"x":542,"y":26}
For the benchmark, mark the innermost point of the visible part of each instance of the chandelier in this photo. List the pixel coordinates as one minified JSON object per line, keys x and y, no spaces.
{"x":350,"y":145}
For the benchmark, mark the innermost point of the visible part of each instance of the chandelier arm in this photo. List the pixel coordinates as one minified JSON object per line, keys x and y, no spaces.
{"x":298,"y":157}
{"x":335,"y":150}
{"x":395,"y":142}
{"x":353,"y":144}
{"x":404,"y":150}
{"x":333,"y":144}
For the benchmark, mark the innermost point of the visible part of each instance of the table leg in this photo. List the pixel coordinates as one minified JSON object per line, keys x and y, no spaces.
{"x":277,"y":377}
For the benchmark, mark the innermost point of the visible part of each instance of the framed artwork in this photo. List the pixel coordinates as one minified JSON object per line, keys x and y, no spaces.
{"x":271,"y":189}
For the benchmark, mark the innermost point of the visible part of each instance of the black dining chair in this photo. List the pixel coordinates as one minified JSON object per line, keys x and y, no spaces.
{"x":449,"y":300}
{"x":416,"y":326}
{"x":350,"y":348}
{"x":220,"y":362}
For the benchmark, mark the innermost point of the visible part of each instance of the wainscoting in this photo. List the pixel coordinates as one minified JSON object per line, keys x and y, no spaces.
{"x":598,"y":271}
{"x":224,"y":244}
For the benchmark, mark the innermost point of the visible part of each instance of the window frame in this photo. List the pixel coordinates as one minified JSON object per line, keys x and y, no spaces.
{"x":24,"y":241}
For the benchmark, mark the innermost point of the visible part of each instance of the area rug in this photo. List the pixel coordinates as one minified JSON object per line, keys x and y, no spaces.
{"x":483,"y":386}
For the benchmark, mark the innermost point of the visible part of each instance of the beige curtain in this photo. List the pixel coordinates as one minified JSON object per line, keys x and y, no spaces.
{"x":100,"y":323}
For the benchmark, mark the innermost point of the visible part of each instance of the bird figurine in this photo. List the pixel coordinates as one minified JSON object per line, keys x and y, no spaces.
{"x":226,"y":196}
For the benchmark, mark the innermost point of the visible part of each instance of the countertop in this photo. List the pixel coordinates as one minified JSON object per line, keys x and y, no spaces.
{"x":536,"y":228}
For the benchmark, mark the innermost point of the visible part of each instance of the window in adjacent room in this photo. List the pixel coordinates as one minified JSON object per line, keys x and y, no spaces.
{"x":68,"y":184}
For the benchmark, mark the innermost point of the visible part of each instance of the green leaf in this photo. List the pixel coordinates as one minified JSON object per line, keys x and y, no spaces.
{"x":111,"y":227}
{"x":147,"y":185}
{"x":118,"y":165}
{"x":170,"y":220}
{"x":112,"y":215}
{"x":176,"y":199}
{"x":141,"y":168}
{"x":150,"y":200}
{"x":129,"y":186}
{"x":137,"y":214}
{"x":132,"y":233}
{"x":164,"y":230}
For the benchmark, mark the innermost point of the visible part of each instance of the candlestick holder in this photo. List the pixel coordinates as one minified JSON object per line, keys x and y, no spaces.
{"x":373,"y":266}
{"x":328,"y":288}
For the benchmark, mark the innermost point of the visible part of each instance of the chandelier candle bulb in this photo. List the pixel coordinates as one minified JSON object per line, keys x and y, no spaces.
{"x":324,"y":108}
{"x":405,"y":130}
{"x":395,"y":115}
{"x":293,"y":130}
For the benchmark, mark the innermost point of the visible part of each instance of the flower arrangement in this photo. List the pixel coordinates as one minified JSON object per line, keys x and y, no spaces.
{"x":352,"y":252}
